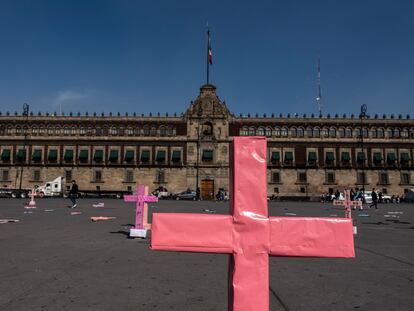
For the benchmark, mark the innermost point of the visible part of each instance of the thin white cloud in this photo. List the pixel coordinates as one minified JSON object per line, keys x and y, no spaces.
{"x":68,"y":97}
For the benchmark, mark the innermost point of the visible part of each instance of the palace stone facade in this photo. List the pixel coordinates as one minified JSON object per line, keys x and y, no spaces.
{"x":307,"y":155}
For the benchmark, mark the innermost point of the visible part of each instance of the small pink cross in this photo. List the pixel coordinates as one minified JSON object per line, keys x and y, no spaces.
{"x":347,"y":203}
{"x":248,"y":234}
{"x":141,"y":214}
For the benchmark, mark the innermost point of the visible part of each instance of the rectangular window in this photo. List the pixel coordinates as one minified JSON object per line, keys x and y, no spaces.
{"x":129,"y":156}
{"x":276,"y":177}
{"x":83,"y":155}
{"x":53,"y":154}
{"x":5,"y":155}
{"x":37,"y":155}
{"x":97,"y":176}
{"x":383,"y":178}
{"x":288,"y":157}
{"x":405,"y":158}
{"x":145,"y":156}
{"x":345,"y":158}
{"x":377,"y":159}
{"x":36,"y":175}
{"x":160,"y":156}
{"x":275,"y":157}
{"x":113,"y":156}
{"x":405,"y":178}
{"x":68,"y":176}
{"x":312,"y":158}
{"x":391,"y":158}
{"x":330,"y":178}
{"x":329,"y":158}
{"x":361,"y":178}
{"x":276,"y":189}
{"x":176,"y":156}
{"x":98,"y":156}
{"x":129,"y":176}
{"x":302,"y":177}
{"x":361,"y":157}
{"x":68,"y":156}
{"x":160,"y":176}
{"x":5,"y":175}
{"x":207,"y":155}
{"x":21,"y":155}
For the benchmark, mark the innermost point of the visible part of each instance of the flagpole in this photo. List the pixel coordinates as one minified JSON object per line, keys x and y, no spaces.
{"x":207,"y":56}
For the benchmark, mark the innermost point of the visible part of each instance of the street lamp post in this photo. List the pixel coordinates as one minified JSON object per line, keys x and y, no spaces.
{"x":25,"y":114}
{"x":362,"y":116}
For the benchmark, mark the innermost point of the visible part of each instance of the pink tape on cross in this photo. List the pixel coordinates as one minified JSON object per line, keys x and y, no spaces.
{"x":141,"y":213}
{"x":249,"y":235}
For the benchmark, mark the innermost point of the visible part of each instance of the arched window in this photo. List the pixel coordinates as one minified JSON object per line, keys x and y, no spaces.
{"x":380,"y":133}
{"x":268,"y":132}
{"x":325,"y":132}
{"x":309,"y":132}
{"x":113,"y":131}
{"x":342,"y":132}
{"x":404,"y":132}
{"x":316,"y":132}
{"x":57,"y":130}
{"x":390,"y":133}
{"x":301,"y":132}
{"x":348,"y":132}
{"x":66,"y":130}
{"x":396,"y":132}
{"x":130,"y":131}
{"x":284,"y":132}
{"x":374,"y":133}
{"x":82,"y":131}
{"x":252,"y":131}
{"x":9,"y":130}
{"x":146,"y":130}
{"x":277,"y":132}
{"x":73,"y":130}
{"x":332,"y":132}
{"x":412,"y":132}
{"x":41,"y":130}
{"x":89,"y":131}
{"x":98,"y":131}
{"x":260,"y":131}
{"x":293,"y":132}
{"x":153,"y":131}
{"x":163,"y":131}
{"x":365,"y":132}
{"x":138,"y":132}
{"x":170,"y":131}
{"x":207,"y":129}
{"x":35,"y":130}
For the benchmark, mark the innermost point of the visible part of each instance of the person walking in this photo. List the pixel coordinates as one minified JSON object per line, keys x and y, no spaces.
{"x":374,"y":197}
{"x":73,"y":194}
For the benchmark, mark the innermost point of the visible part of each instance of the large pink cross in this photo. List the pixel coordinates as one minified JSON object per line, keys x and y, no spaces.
{"x":347,"y":203}
{"x":248,"y":234}
{"x":141,"y":213}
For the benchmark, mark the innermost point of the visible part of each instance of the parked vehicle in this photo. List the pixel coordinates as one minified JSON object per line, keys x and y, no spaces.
{"x":14,"y":193}
{"x":368,"y":198}
{"x":51,"y":188}
{"x":161,"y":193}
{"x":409,"y":196}
{"x":186,"y":195}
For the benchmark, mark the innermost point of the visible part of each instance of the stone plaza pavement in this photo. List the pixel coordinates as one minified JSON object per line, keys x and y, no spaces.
{"x":52,"y":260}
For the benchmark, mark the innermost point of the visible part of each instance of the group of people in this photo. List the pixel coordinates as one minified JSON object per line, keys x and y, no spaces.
{"x":356,"y":194}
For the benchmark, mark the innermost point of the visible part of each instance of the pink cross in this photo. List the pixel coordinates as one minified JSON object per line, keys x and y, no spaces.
{"x":248,"y":234}
{"x":347,"y":203}
{"x":141,"y":214}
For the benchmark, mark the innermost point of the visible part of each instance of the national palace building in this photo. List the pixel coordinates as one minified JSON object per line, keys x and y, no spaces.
{"x":307,"y":155}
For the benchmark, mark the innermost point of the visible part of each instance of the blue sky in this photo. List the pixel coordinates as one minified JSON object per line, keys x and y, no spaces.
{"x":150,"y":56}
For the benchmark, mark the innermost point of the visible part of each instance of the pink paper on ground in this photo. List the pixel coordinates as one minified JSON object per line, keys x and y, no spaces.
{"x":249,"y":234}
